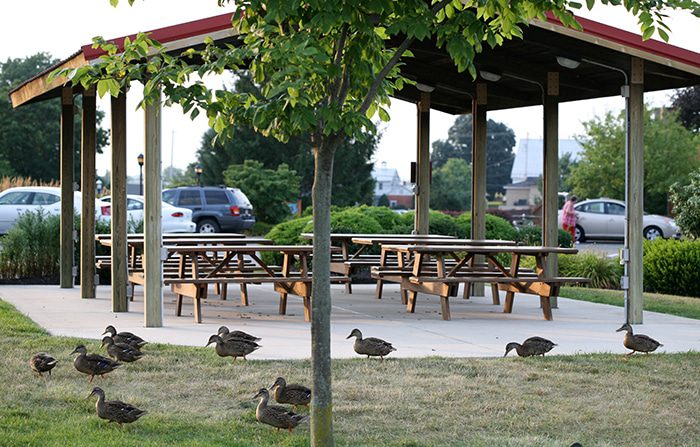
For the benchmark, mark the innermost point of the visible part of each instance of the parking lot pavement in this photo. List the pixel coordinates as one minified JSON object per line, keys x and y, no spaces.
{"x":610,"y":248}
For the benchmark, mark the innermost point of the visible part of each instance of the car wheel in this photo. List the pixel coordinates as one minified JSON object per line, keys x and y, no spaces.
{"x":208,"y":226}
{"x":651,"y":233}
{"x":580,"y":234}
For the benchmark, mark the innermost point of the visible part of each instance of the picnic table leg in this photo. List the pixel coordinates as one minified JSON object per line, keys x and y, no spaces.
{"x":223,"y":291}
{"x":445,"y":303}
{"x":178,"y":306}
{"x":286,"y":268}
{"x":496,"y":298}
{"x":546,"y":306}
{"x":404,"y":296}
{"x":411,"y":305}
{"x":382,"y":263}
{"x":283,"y":304}
{"x":508,"y":306}
{"x":244,"y":294}
{"x":181,"y":274}
{"x":197,"y":308}
{"x":307,"y":308}
{"x":466,"y":293}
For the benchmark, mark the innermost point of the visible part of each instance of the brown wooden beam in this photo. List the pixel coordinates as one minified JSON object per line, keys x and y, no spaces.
{"x":87,"y":182}
{"x":120,"y":302}
{"x":550,"y":170}
{"x":422,"y":215}
{"x":67,"y":179}
{"x":153,"y":267}
{"x":479,"y":201}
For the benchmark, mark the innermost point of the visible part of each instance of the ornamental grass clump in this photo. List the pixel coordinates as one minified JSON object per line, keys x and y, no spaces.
{"x":31,"y":248}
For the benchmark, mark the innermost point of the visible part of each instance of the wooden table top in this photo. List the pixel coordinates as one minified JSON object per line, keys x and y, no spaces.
{"x":429,"y":241}
{"x":202,"y":236}
{"x":349,"y":236}
{"x":194,"y":242}
{"x":515,"y":249}
{"x":240,"y":248}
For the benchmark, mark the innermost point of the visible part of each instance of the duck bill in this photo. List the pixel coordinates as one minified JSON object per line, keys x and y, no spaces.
{"x":623,"y":328}
{"x":348,"y":336}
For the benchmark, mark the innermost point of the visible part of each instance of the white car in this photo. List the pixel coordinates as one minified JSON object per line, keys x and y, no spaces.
{"x":605,"y":219}
{"x":174,"y":219}
{"x":15,"y":201}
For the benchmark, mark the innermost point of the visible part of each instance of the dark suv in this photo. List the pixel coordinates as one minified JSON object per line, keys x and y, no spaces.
{"x":214,"y":209}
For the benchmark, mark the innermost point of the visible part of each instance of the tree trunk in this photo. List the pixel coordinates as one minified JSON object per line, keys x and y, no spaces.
{"x":321,"y":405}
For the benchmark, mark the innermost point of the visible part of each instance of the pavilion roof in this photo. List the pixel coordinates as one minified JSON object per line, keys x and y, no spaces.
{"x":521,"y":64}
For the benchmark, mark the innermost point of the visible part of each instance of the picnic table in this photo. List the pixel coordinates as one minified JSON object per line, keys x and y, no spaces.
{"x":347,"y":261}
{"x":443,"y":281}
{"x":394,"y":265}
{"x":225,"y":264}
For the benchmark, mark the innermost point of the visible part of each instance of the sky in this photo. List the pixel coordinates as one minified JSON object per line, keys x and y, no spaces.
{"x":62,"y":27}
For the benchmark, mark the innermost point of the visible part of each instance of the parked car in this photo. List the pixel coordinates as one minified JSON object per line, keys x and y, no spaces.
{"x":214,"y":208}
{"x":605,"y":219}
{"x":16,"y":201}
{"x":173,"y":219}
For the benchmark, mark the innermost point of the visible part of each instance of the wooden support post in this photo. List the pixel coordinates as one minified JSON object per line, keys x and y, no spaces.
{"x":67,"y":179}
{"x":635,"y":192}
{"x":478,"y":205}
{"x":422,"y":216}
{"x":153,"y":237}
{"x":120,"y":278}
{"x":87,"y":188}
{"x":550,"y":229}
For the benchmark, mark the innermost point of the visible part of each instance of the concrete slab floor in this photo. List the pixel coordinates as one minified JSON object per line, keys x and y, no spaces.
{"x":477,"y":329}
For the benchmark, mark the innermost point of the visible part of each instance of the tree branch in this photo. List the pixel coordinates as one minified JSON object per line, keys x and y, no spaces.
{"x":337,"y":58}
{"x":392,"y":62}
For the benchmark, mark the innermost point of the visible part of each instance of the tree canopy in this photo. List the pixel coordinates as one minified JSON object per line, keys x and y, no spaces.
{"x":451,"y":187}
{"x":30,"y":135}
{"x":687,"y":103}
{"x":500,"y":141}
{"x":670,"y":154}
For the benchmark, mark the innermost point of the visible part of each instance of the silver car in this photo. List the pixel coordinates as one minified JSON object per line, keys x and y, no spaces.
{"x":605,"y":219}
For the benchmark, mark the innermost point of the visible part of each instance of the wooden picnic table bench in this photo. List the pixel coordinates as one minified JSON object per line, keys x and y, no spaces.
{"x":443,"y":282}
{"x":394,"y":265}
{"x":225,"y":264}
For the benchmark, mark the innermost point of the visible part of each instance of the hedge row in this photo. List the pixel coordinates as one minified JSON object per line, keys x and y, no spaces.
{"x":377,"y":219}
{"x":672,"y":267}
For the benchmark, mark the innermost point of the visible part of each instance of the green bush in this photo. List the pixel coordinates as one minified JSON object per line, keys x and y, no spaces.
{"x":671,"y":267}
{"x":350,"y":220}
{"x":31,"y":247}
{"x":603,"y":272}
{"x":532,"y":235}
{"x":496,"y":227}
{"x":288,"y":233}
{"x":440,"y":223}
{"x":386,"y":218}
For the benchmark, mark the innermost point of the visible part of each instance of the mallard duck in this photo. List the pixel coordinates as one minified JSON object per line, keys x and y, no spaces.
{"x":278,"y":417}
{"x":121,"y":351}
{"x":125,"y":337}
{"x":292,"y":393}
{"x":531,"y":346}
{"x":638,"y":342}
{"x":224,"y":333}
{"x":370,"y":346}
{"x":93,"y":364}
{"x":115,"y":410}
{"x":233,"y":347}
{"x":41,"y":363}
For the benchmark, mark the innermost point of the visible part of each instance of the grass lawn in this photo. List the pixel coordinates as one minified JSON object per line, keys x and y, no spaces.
{"x":681,"y":306}
{"x":195,"y":398}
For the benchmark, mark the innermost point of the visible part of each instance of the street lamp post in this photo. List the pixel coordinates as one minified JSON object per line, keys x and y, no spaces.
{"x":198,"y":170}
{"x":140,"y":160}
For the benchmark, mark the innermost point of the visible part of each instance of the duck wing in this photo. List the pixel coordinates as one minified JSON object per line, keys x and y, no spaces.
{"x":379,"y":344}
{"x":122,"y":412}
{"x":99,"y":364}
{"x":644,"y":343}
{"x":241,"y":336}
{"x":42,"y":362}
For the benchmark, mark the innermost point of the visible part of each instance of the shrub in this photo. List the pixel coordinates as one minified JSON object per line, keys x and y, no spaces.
{"x":603,"y":272}
{"x":288,"y":233}
{"x":686,"y":205}
{"x":532,"y":235}
{"x":496,"y":227}
{"x":671,"y":267}
{"x":350,"y":220}
{"x":31,"y":247}
{"x":387,"y":218}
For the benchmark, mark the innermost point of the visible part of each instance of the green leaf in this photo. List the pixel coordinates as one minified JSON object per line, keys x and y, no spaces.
{"x":576,"y":5}
{"x":589,"y":4}
{"x":383,"y":114}
{"x":114,"y":3}
{"x":648,"y":32}
{"x":102,"y":87}
{"x":663,"y":34}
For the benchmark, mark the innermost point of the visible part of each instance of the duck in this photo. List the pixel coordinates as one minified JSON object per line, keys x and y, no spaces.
{"x":224,"y":333}
{"x":638,"y":342}
{"x":371,"y":347}
{"x":233,"y":347}
{"x":125,"y":337}
{"x":42,"y":363}
{"x":121,"y":351}
{"x":292,"y":393}
{"x":115,"y":410}
{"x":274,"y":415}
{"x":531,"y":346}
{"x":93,"y":364}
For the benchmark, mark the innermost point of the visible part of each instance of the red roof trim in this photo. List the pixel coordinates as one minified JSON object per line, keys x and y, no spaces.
{"x":170,"y":33}
{"x":633,"y":40}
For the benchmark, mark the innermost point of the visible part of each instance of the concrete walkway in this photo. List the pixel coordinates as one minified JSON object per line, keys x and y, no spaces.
{"x":477,"y":328}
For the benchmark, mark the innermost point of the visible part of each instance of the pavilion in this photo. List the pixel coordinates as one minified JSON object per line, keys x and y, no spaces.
{"x":551,"y":64}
